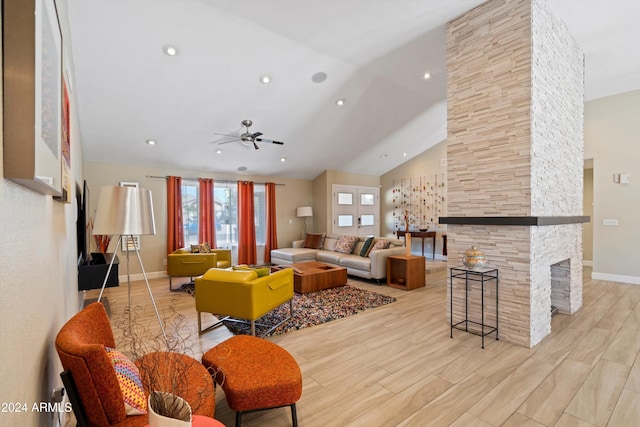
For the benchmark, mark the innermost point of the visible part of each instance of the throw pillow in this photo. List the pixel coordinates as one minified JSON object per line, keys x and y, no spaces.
{"x":128,"y":375}
{"x":313,"y":240}
{"x":262,"y":271}
{"x":345,"y":244}
{"x":202,"y":248}
{"x":366,"y":246}
{"x":380,"y":244}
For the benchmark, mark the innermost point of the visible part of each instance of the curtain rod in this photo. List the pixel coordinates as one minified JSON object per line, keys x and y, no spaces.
{"x":223,"y":181}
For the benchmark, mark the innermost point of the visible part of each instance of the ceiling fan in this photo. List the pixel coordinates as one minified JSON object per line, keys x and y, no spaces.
{"x":247,"y":138}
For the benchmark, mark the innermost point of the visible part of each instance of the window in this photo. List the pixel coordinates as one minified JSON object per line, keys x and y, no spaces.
{"x":190,"y":211}
{"x":225,"y":199}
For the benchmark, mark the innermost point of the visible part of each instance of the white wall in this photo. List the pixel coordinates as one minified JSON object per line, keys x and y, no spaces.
{"x":612,"y":130}
{"x":38,"y":284}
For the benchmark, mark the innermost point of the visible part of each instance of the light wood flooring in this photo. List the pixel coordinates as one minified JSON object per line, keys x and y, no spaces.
{"x":396,"y":365}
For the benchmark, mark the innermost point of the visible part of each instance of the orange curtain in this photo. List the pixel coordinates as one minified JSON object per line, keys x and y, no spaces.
{"x":175,"y":231}
{"x":246,"y":224}
{"x":206,"y":212}
{"x":271,"y":239}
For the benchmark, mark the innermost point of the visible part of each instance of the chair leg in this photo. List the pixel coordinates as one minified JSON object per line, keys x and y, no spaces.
{"x":199,"y":322}
{"x":253,"y":328}
{"x":171,"y":286}
{"x":238,"y":418}
{"x":294,"y":416}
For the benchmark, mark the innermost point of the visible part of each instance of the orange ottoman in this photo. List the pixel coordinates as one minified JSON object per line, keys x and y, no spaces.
{"x":255,"y":374}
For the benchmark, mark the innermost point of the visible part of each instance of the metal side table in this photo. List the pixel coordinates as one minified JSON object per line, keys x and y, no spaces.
{"x":482,"y":276}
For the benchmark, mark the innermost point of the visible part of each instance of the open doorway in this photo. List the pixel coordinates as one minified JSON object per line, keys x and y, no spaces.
{"x":587,"y":228}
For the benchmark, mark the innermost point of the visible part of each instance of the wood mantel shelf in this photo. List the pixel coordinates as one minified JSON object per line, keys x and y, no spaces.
{"x":514,"y":220}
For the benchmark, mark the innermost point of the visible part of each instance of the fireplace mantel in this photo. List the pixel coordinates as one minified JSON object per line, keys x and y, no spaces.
{"x":514,"y":220}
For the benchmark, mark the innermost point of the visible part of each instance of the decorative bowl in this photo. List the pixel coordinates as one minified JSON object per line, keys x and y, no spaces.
{"x":474,"y":258}
{"x":423,"y":229}
{"x":401,"y":280}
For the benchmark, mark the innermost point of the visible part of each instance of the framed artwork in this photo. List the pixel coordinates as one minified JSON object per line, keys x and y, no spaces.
{"x":32,"y":51}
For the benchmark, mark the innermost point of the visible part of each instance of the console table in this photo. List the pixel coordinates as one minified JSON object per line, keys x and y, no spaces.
{"x":426,"y":235}
{"x":482,"y":276}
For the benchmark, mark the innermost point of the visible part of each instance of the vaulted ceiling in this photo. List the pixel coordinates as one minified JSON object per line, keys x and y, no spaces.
{"x":374,"y":54}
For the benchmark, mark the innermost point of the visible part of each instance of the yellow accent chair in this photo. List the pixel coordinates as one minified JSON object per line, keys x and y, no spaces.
{"x":241,"y":294}
{"x":184,"y":263}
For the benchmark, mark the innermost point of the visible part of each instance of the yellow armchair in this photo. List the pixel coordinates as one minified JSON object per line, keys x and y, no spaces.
{"x":242,"y":294}
{"x":184,"y":263}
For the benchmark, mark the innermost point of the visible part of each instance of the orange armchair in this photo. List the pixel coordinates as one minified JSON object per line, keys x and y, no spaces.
{"x":184,"y":263}
{"x":91,"y":380}
{"x":242,"y":294}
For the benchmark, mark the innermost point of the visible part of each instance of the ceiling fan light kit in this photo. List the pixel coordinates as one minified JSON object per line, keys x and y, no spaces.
{"x":247,"y":138}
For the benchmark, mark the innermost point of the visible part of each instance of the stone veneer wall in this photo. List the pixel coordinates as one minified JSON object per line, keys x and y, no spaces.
{"x":514,"y":148}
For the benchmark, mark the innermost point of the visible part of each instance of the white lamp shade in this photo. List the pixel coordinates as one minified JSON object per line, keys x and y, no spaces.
{"x":304,"y":211}
{"x":124,"y":211}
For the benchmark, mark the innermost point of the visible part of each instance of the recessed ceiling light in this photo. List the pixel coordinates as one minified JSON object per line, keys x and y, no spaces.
{"x":340,"y":102}
{"x":283,"y":159}
{"x":170,"y":50}
{"x":218,"y":151}
{"x":151,"y":141}
{"x":404,"y":154}
{"x":265,"y":79}
{"x":242,"y":168}
{"x":426,"y":76}
{"x":319,"y":77}
{"x":383,"y":156}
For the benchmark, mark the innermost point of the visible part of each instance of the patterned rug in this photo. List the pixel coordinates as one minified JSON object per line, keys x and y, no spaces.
{"x":313,"y":309}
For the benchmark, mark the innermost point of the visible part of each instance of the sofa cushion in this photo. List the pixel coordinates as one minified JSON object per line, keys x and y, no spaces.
{"x":356,"y":262}
{"x":128,"y":376}
{"x":313,"y":240}
{"x":366,"y":246}
{"x":331,"y":257}
{"x":380,"y":244}
{"x":345,"y":244}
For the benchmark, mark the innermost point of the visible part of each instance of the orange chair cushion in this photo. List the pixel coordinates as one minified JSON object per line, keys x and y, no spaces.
{"x":254,"y":373}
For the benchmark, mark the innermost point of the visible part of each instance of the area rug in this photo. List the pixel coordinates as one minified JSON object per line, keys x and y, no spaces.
{"x":313,"y":309}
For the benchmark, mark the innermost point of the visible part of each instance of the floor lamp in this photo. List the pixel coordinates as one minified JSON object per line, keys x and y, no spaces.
{"x":304,"y":212}
{"x":126,"y":212}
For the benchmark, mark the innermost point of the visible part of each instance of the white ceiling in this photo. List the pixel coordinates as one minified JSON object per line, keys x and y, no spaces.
{"x":374,"y":53}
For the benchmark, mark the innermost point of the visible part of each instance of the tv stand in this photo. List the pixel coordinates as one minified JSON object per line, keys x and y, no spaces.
{"x":91,"y":275}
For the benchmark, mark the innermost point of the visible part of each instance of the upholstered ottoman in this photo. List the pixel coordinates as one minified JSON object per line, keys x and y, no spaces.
{"x":255,"y":374}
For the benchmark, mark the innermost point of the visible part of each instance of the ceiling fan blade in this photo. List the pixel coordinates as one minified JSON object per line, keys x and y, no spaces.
{"x":226,"y":142}
{"x":270,"y":141}
{"x":257,"y":134}
{"x":225,"y":134}
{"x":255,"y":145}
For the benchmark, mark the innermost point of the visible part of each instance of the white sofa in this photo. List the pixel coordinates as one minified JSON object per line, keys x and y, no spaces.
{"x":373,"y":266}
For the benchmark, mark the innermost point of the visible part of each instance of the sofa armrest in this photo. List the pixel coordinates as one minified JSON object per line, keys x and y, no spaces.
{"x":379,"y":260}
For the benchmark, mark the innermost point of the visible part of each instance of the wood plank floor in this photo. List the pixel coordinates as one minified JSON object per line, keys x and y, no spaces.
{"x":396,"y":365}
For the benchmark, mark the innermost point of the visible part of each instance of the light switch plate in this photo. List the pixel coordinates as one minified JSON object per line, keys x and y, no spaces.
{"x":609,"y":222}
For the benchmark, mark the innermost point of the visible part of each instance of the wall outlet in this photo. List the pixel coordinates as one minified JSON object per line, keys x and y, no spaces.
{"x":609,"y":222}
{"x":290,"y":221}
{"x":164,"y":262}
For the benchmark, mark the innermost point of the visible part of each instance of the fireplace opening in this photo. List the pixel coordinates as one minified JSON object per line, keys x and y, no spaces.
{"x":560,"y":287}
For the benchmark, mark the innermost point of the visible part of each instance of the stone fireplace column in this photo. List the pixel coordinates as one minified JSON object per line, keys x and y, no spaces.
{"x":515,"y":158}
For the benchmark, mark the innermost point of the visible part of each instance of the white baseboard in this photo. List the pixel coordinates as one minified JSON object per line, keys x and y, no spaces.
{"x":633,"y":280}
{"x":587,"y":263}
{"x":139,"y":276}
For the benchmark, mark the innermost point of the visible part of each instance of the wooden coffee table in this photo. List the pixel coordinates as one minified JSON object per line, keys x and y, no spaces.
{"x":315,"y":276}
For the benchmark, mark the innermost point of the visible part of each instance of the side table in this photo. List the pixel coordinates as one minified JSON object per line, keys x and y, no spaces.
{"x":405,"y":272}
{"x":482,"y":276}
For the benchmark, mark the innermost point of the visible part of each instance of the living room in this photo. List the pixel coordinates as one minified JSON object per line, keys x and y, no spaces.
{"x":39,"y":297}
